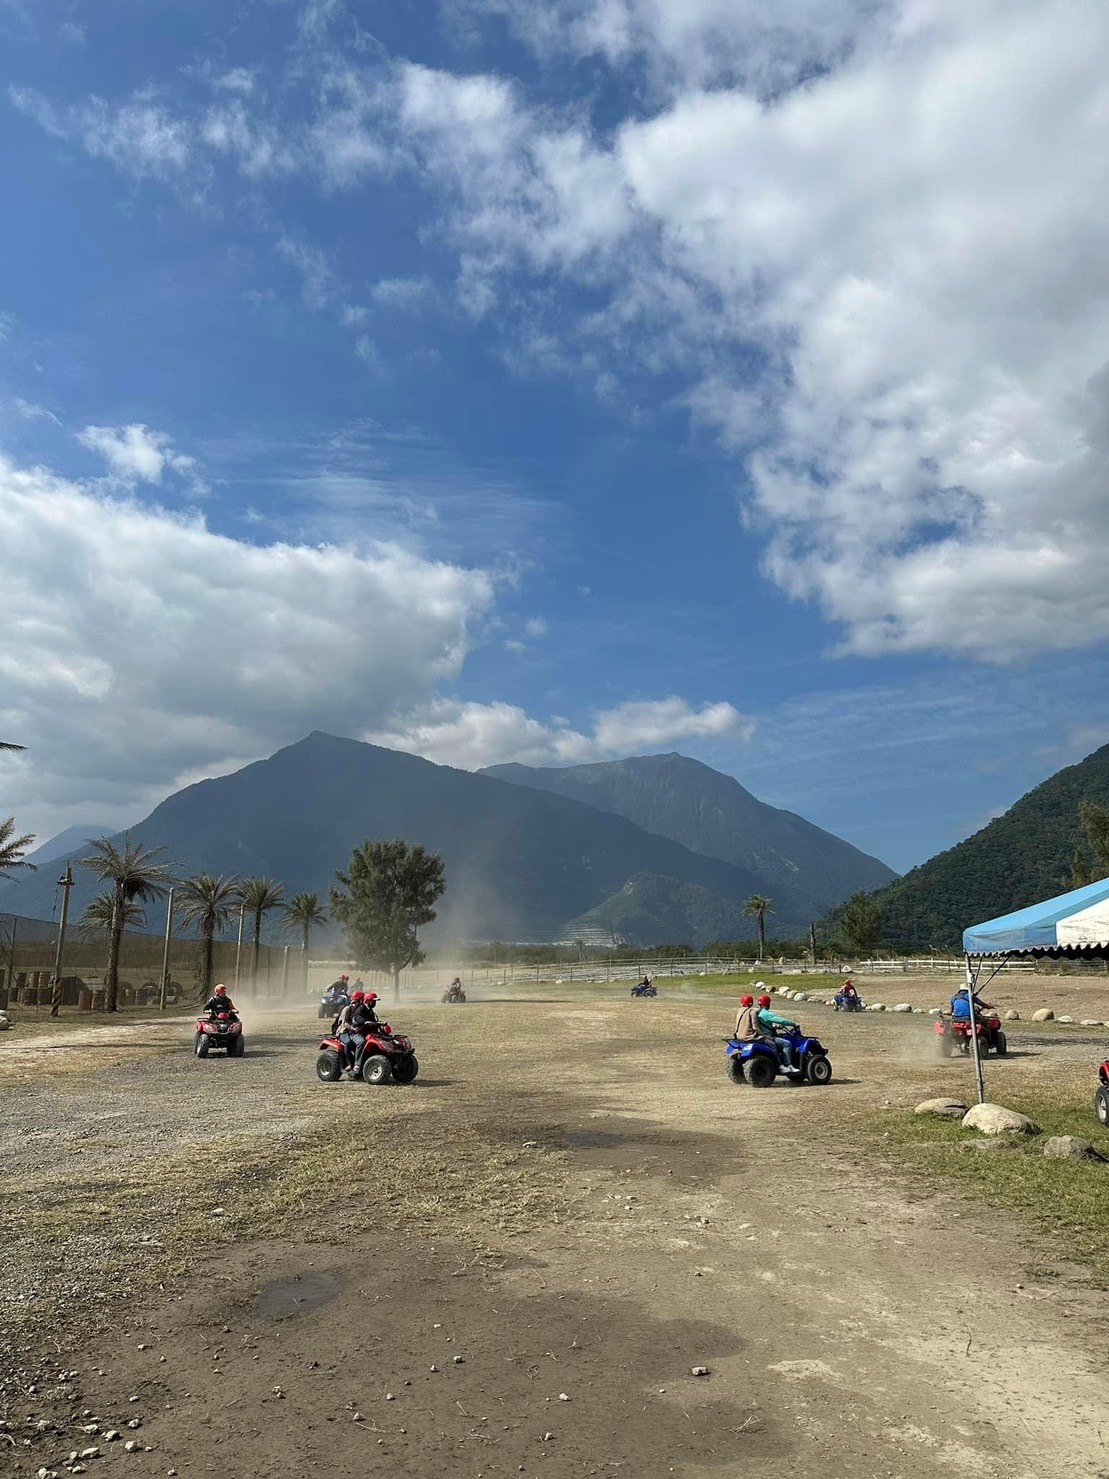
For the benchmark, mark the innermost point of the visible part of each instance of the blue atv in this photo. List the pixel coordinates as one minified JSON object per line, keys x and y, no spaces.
{"x":760,"y":1062}
{"x":848,"y":1001}
{"x":644,"y":989}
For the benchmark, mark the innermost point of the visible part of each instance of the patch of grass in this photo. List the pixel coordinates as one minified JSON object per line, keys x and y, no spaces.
{"x":1067,"y":1200}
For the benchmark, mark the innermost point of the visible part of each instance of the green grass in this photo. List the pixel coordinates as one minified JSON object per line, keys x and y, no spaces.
{"x":1066,"y":1200}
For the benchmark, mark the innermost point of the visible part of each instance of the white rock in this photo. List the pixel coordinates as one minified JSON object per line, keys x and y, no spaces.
{"x":876,"y":1006}
{"x":131,"y":1446}
{"x":903,"y":1006}
{"x":5,"y":1024}
{"x":1091,"y":1022}
{"x":1064,"y":1018}
{"x":699,"y":1371}
{"x":994,"y":1119}
{"x":935,"y":1011}
{"x":1012,"y":1016}
{"x":800,"y":996}
{"x":1044,"y":1014}
{"x":1070,"y":1148}
{"x":949,"y":1109}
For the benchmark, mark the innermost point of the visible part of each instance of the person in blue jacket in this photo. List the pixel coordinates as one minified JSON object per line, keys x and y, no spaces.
{"x":960,"y":1005}
{"x":770,"y":1020}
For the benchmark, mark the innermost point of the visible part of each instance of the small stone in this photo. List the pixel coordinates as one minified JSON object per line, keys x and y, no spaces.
{"x":1070,"y":1148}
{"x":699,"y":1371}
{"x":112,"y":1436}
{"x":1064,"y":1018}
{"x":876,"y":1006}
{"x":1091,"y":1022}
{"x":143,"y":1347}
{"x":435,"y":1368}
{"x":357,"y":1417}
{"x":903,"y":1006}
{"x":389,"y":1397}
{"x":1044,"y":1014}
{"x":277,"y":1392}
{"x":1012,"y":1015}
{"x":161,"y":1358}
{"x":458,"y":1360}
{"x":90,"y":1428}
{"x":563,"y":1397}
{"x":131,"y":1446}
{"x":132,"y":1399}
{"x":547,"y":1437}
{"x":93,"y":1452}
{"x":134,"y":1422}
{"x":949,"y":1109}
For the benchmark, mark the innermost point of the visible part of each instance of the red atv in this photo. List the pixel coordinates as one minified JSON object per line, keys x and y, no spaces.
{"x":220,"y":1032}
{"x":953,"y":1034}
{"x":1101,"y":1098}
{"x":385,"y":1057}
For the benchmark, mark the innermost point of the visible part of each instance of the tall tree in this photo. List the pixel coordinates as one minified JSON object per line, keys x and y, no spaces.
{"x":136,"y":875}
{"x":12,"y":848}
{"x":258,"y":897}
{"x":388,"y":893}
{"x":207,"y":903}
{"x":96,"y":921}
{"x":1080,"y":874}
{"x":861,"y":923}
{"x":7,"y":745}
{"x":1095,"y":826}
{"x":757,"y":907}
{"x":303,"y":912}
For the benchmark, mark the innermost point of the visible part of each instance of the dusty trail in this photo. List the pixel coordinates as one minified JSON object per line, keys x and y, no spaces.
{"x":849,"y":1325}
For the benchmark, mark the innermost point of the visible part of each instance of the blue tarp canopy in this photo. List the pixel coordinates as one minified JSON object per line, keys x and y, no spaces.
{"x":1074,"y":924}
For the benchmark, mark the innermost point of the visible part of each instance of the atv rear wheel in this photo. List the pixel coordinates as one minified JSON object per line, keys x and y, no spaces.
{"x":735,"y":1069}
{"x":376,"y":1069}
{"x":1101,"y":1105}
{"x":818,"y":1071}
{"x":1001,"y":1046}
{"x":328,"y":1068}
{"x":201,"y":1045}
{"x":761,"y":1072}
{"x":405,"y":1069}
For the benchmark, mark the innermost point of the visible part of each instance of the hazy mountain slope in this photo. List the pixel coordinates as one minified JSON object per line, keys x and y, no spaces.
{"x":520,"y":862}
{"x":713,"y":814}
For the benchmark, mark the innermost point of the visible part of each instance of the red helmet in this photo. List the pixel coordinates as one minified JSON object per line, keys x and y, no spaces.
{"x":369,"y":996}
{"x":221,"y":990}
{"x":764,"y":1001}
{"x":747,"y":1001}
{"x":358,"y":996}
{"x":344,"y":977}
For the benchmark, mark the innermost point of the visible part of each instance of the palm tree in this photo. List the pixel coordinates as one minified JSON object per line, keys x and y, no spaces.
{"x":97,"y":918}
{"x":12,"y":848}
{"x":5,"y":745}
{"x":258,"y":896}
{"x":758,"y":906}
{"x":136,"y":876}
{"x":302,"y":912}
{"x":207,"y":903}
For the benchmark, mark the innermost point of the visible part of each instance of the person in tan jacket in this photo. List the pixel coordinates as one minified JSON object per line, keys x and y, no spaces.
{"x":748,"y":1028}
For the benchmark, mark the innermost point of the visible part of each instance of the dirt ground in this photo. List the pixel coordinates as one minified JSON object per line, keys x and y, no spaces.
{"x":513,"y":1266}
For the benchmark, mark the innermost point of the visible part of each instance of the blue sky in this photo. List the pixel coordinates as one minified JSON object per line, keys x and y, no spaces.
{"x":553,"y":383}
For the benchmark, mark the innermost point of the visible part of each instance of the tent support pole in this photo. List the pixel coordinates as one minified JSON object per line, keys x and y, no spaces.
{"x":972,"y":981}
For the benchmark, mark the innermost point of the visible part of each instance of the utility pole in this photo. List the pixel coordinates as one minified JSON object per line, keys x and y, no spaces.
{"x":165,"y":953}
{"x":285,"y":974}
{"x":812,"y":941}
{"x":239,"y":949}
{"x":65,"y":883}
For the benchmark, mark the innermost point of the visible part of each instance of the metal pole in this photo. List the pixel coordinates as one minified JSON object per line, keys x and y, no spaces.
{"x":285,"y":973}
{"x":65,"y":883}
{"x":972,"y":979}
{"x":239,"y":949}
{"x":163,"y":994}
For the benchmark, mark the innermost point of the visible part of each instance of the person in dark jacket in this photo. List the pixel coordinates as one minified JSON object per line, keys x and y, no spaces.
{"x":219,"y":1001}
{"x":363,"y":1020}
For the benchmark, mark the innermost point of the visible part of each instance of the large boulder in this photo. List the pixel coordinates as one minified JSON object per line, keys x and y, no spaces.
{"x":903,"y":1006}
{"x":1070,"y":1148}
{"x":1045,"y":1014}
{"x":994,"y":1119}
{"x":5,"y":1023}
{"x":948,"y":1109}
{"x":876,"y":1006}
{"x":1012,"y":1016}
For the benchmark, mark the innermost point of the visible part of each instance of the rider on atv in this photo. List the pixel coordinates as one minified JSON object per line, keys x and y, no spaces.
{"x":748,"y":1028}
{"x":218,"y":1002}
{"x":770,"y":1020}
{"x":960,"y":1005}
{"x":363,"y":1019}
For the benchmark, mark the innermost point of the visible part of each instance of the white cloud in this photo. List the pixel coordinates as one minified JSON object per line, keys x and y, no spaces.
{"x":171,"y":651}
{"x":135,"y":454}
{"x":140,"y":137}
{"x":29,"y":411}
{"x":471,"y":735}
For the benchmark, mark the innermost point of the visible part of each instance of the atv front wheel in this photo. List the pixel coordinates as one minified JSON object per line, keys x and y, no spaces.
{"x":735,"y":1069}
{"x":1101,"y":1105}
{"x":761,"y":1073}
{"x":376,"y":1069}
{"x":819,"y":1071}
{"x":328,"y":1068}
{"x":1001,"y":1046}
{"x":405,"y":1069}
{"x":236,"y":1047}
{"x":200,"y":1047}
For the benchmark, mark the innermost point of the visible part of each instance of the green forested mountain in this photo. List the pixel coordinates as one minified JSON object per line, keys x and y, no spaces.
{"x":713,"y":814}
{"x":1018,"y":858}
{"x":652,"y":910}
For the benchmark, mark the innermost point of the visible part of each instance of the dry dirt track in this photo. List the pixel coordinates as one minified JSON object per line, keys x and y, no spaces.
{"x":572,"y":1199}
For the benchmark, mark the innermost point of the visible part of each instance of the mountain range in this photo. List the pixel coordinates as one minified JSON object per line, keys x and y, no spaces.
{"x":1019,"y":858}
{"x":523,"y":862}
